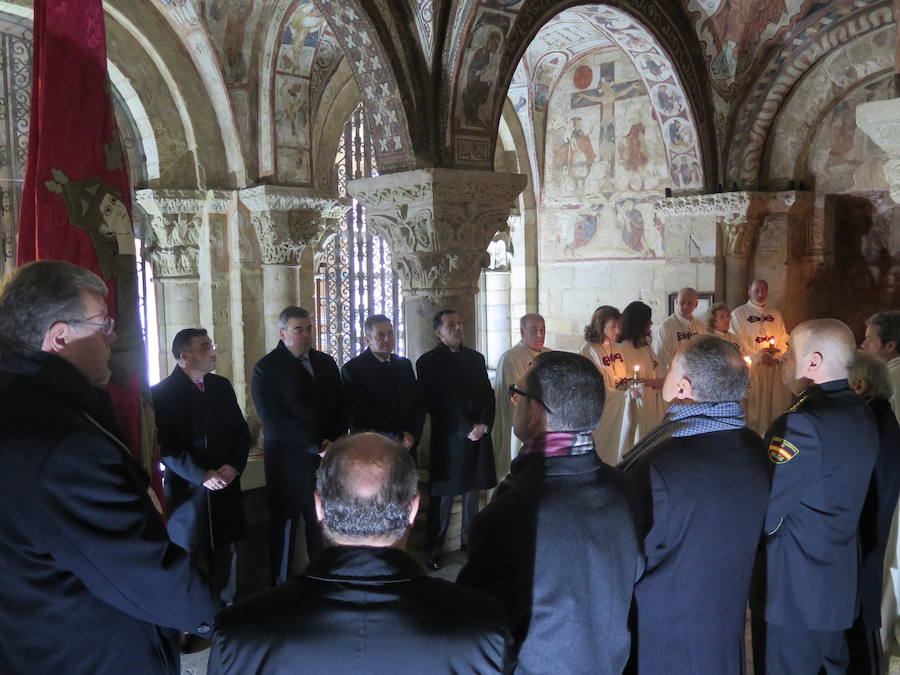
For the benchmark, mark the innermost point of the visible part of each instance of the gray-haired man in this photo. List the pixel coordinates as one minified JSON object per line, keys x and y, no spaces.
{"x":363,"y":605}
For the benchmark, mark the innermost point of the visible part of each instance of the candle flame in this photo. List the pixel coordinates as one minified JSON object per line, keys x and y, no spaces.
{"x":637,"y":368}
{"x":748,"y":360}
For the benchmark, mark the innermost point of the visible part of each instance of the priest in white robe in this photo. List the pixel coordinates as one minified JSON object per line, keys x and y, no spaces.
{"x":510,"y":368}
{"x":760,"y":332}
{"x":645,"y":407}
{"x":679,"y":329}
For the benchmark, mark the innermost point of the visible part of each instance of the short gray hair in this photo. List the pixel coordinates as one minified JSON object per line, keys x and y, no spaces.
{"x":873,"y":371}
{"x":384,"y":512}
{"x":888,"y":326}
{"x":291,"y":312}
{"x":524,"y":319}
{"x":715,"y":368}
{"x":38,"y":295}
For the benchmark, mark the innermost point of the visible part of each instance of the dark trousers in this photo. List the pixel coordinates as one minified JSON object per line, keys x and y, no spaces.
{"x":439,"y":518}
{"x":795,"y":650}
{"x":220,"y":564}
{"x":866,"y":651}
{"x":282,"y":535}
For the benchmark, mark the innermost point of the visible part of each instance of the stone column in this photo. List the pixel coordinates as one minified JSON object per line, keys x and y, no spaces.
{"x":439,"y":223}
{"x":880,"y":120}
{"x":175,"y":218}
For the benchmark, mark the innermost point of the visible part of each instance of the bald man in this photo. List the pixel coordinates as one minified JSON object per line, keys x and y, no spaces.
{"x":822,"y":452}
{"x":677,"y":331}
{"x":363,"y":605}
{"x":756,"y":324}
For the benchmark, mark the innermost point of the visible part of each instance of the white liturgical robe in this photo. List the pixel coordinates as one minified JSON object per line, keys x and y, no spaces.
{"x":645,"y":407}
{"x":674,"y":333}
{"x":510,"y":367}
{"x":610,"y":434}
{"x":755,"y":327}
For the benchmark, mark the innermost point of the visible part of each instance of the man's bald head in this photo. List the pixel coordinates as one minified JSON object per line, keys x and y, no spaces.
{"x":686,"y":302}
{"x":367,"y":487}
{"x":821,"y":350}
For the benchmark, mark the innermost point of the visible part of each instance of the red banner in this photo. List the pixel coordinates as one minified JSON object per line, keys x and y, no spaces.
{"x":76,"y":202}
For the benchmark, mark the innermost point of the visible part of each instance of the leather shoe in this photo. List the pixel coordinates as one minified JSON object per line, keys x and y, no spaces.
{"x":434,"y":562}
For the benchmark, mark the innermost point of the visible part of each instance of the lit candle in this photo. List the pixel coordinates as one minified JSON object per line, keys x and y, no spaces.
{"x":772,"y":343}
{"x":748,"y":361}
{"x":637,"y":370}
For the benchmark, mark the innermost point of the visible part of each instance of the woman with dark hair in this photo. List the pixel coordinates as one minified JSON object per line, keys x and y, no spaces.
{"x":640,"y":365}
{"x":602,"y":349}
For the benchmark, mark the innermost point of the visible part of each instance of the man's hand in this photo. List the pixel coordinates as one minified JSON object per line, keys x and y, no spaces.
{"x":477,"y":432}
{"x":408,"y":440}
{"x":228,"y":472}
{"x":770,"y":359}
{"x":214,"y":480}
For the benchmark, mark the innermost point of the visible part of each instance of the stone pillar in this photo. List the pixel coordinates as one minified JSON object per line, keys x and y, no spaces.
{"x":175,"y":218}
{"x":880,"y":120}
{"x":439,"y":223}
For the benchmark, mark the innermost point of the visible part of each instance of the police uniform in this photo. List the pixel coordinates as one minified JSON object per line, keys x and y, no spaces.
{"x":822,"y":452}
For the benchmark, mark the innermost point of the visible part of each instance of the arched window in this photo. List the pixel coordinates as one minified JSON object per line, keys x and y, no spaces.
{"x":354,"y":277}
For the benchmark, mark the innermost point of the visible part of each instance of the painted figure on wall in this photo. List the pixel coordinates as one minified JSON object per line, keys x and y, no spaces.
{"x":736,"y":26}
{"x":480,"y":79}
{"x":581,"y":156}
{"x":633,"y":148}
{"x":234,"y":14}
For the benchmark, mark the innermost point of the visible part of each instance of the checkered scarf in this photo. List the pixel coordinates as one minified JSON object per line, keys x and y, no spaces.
{"x":688,"y":419}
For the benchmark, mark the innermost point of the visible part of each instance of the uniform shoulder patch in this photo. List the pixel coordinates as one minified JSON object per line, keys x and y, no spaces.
{"x":781,"y":451}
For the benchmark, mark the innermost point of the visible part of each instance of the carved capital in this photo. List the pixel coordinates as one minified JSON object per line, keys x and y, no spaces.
{"x":276,"y":198}
{"x":173,"y":235}
{"x":284,"y":234}
{"x":439,"y":223}
{"x":738,"y":236}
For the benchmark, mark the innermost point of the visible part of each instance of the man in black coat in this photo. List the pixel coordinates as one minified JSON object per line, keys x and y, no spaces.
{"x":381,"y":389}
{"x":91,"y":583}
{"x":702,"y":479}
{"x":363,"y":605}
{"x":559,"y":544}
{"x":298,"y":395}
{"x":459,"y":398}
{"x":203,"y":441}
{"x":822,"y":451}
{"x":869,"y":378}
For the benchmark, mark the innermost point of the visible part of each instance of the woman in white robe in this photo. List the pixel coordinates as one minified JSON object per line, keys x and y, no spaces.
{"x":601,"y":348}
{"x":645,"y":405}
{"x":718,"y":323}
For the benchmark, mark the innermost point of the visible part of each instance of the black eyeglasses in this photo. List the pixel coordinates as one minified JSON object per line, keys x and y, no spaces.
{"x":107,"y":324}
{"x":515,"y":393}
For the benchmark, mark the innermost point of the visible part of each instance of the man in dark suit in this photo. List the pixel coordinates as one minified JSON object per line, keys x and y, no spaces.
{"x":381,"y":388}
{"x":203,"y":441}
{"x":559,"y":544}
{"x":91,"y":582}
{"x":459,"y":398}
{"x":822,"y":451}
{"x":702,"y":480}
{"x":363,"y":605}
{"x":870,"y":379}
{"x":298,"y":395}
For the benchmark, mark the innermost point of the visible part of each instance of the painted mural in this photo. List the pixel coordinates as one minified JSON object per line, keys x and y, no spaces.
{"x":231,"y":25}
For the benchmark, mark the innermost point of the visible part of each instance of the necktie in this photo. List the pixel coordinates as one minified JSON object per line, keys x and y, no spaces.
{"x":200,"y":386}
{"x":304,"y":359}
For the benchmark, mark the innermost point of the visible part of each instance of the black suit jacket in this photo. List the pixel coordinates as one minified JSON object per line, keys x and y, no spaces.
{"x":298,"y":412}
{"x":91,"y":582}
{"x":703,"y":501}
{"x":878,"y":510}
{"x":361,"y":610}
{"x":383,"y":397}
{"x":199,"y":431}
{"x":560,"y":549}
{"x":823,"y":451}
{"x":458,"y":395}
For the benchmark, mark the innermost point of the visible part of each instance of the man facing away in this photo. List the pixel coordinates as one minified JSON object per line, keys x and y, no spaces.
{"x":510,"y":367}
{"x":298,"y":395}
{"x":822,"y":451}
{"x":883,"y":340}
{"x":559,"y":544}
{"x":381,"y":389}
{"x":91,"y":582}
{"x":703,"y":483}
{"x":679,"y":328}
{"x":757,"y":328}
{"x":363,"y":605}
{"x":203,"y":442}
{"x":459,"y":398}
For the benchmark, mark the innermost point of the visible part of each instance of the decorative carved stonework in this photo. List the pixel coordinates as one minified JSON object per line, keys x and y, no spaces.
{"x":738,"y":236}
{"x":880,"y":120}
{"x":439,"y":223}
{"x":727,"y":204}
{"x":173,"y":236}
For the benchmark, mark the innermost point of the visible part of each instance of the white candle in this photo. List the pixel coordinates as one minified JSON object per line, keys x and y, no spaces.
{"x":748,"y":361}
{"x":637,"y":370}
{"x":772,"y":343}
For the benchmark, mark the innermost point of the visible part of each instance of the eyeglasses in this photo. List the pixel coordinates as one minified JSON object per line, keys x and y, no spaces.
{"x":107,"y":324}
{"x":515,"y":393}
{"x":208,"y":347}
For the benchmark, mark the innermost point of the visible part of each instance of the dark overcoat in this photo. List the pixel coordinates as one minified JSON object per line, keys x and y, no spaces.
{"x":458,"y":395}
{"x":383,"y":396}
{"x":702,"y":501}
{"x":362,"y":610}
{"x":298,"y":412}
{"x":200,"y":431}
{"x":91,"y":582}
{"x":823,"y":451}
{"x":560,"y":548}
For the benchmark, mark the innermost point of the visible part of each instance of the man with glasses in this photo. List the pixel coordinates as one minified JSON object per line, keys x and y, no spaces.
{"x":91,"y":582}
{"x":558,"y":545}
{"x":203,"y":441}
